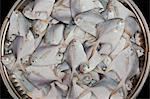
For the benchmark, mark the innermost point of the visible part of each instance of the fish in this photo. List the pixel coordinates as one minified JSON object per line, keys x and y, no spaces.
{"x":80,"y":6}
{"x":54,"y":34}
{"x":61,"y":11}
{"x":86,"y":95}
{"x":87,"y":21}
{"x":22,"y":45}
{"x":129,"y":67}
{"x":63,"y":88}
{"x":45,"y":72}
{"x":92,"y":63}
{"x":19,"y":26}
{"x":13,"y":27}
{"x":39,"y":9}
{"x":76,"y":55}
{"x":120,"y":46}
{"x":132,"y":26}
{"x":20,"y":48}
{"x":115,"y":9}
{"x":89,"y":40}
{"x":46,"y":55}
{"x":109,"y":37}
{"x":103,"y":88}
{"x":139,"y":50}
{"x":103,"y":65}
{"x":76,"y":89}
{"x":39,"y":27}
{"x":101,"y":91}
{"x":63,"y":66}
{"x":54,"y":93}
{"x":8,"y":61}
{"x":74,"y":33}
{"x":104,"y":3}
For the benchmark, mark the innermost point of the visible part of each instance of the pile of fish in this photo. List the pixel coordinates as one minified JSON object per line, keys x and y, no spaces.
{"x":74,"y":49}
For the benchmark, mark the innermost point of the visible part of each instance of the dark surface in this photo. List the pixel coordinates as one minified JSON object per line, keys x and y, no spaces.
{"x":5,"y":5}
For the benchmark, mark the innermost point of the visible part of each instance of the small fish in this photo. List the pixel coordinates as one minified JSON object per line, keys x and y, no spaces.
{"x":8,"y":61}
{"x":126,"y":65}
{"x":24,"y":46}
{"x":80,"y":6}
{"x":120,"y":46}
{"x":139,"y":50}
{"x":89,"y":40}
{"x":101,"y":91}
{"x":74,"y":33}
{"x":115,"y":9}
{"x":92,"y":62}
{"x":19,"y":26}
{"x":76,"y":89}
{"x":61,"y":11}
{"x":13,"y":27}
{"x":45,"y":72}
{"x":87,"y":21}
{"x":110,"y":36}
{"x":46,"y":56}
{"x":104,"y":3}
{"x":39,"y":9}
{"x":76,"y":55}
{"x":39,"y":27}
{"x":54,"y":34}
{"x":54,"y":93}
{"x":132,"y":26}
{"x":62,"y":86}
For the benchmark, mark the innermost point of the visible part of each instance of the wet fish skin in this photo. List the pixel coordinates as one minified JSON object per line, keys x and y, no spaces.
{"x":54,"y":34}
{"x":36,"y":10}
{"x":111,"y":35}
{"x":46,"y":56}
{"x":80,"y":6}
{"x":61,"y":11}
{"x":87,"y":21}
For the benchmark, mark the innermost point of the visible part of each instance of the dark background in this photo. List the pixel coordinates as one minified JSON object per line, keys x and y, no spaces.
{"x":144,"y":6}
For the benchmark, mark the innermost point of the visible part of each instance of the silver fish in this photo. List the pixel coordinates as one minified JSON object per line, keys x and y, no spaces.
{"x":87,"y":21}
{"x":46,"y":56}
{"x":54,"y":34}
{"x":129,"y":67}
{"x":132,"y":26}
{"x":8,"y":61}
{"x":61,"y":11}
{"x":139,"y":50}
{"x":79,"y":6}
{"x":120,"y":46}
{"x":101,"y":91}
{"x":54,"y":93}
{"x":76,"y":55}
{"x":104,"y":3}
{"x":74,"y":33}
{"x":61,"y":86}
{"x":39,"y":9}
{"x":76,"y":89}
{"x":116,"y":9}
{"x":109,"y":37}
{"x":46,"y":72}
{"x":39,"y":27}
{"x":92,"y":62}
{"x":24,"y":46}
{"x":19,"y":26}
